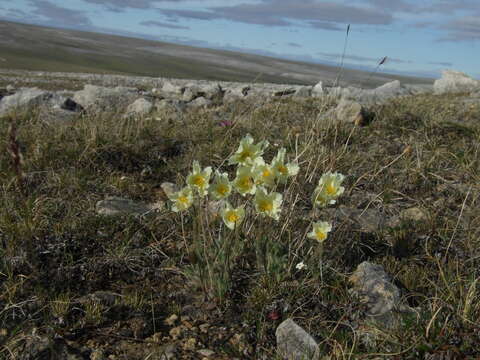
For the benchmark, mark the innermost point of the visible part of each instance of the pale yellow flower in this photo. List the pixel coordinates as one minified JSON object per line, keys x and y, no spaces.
{"x":221,"y":188}
{"x":264,"y":174}
{"x":268,"y":203}
{"x":248,"y":153}
{"x":244,"y":182}
{"x":320,"y":231}
{"x":199,"y":179}
{"x":232,"y":217}
{"x":281,"y":169}
{"x":181,"y":199}
{"x":328,"y":189}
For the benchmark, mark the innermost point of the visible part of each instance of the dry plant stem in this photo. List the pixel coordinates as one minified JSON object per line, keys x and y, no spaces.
{"x":458,"y":221}
{"x":13,"y":149}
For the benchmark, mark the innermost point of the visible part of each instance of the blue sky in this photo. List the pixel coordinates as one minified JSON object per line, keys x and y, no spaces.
{"x":419,"y":37}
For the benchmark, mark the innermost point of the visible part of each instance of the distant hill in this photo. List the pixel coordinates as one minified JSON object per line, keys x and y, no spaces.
{"x":32,"y":47}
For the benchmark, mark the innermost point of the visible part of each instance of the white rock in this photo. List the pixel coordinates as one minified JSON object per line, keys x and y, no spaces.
{"x":350,"y":112}
{"x":172,"y":89}
{"x":455,"y":81}
{"x":99,"y":98}
{"x":304,"y":91}
{"x":139,"y":107}
{"x":318,"y":89}
{"x":199,"y":102}
{"x":24,"y":98}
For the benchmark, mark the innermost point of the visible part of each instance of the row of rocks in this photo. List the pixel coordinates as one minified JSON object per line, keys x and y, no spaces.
{"x":181,"y":95}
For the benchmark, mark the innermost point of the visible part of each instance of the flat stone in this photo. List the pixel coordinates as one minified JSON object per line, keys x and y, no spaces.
{"x":23,"y":99}
{"x":114,"y":205}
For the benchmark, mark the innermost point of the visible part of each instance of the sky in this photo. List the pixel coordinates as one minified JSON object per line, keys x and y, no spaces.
{"x":419,"y":37}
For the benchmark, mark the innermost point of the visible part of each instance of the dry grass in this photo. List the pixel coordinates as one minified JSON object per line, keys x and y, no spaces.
{"x":420,"y":151}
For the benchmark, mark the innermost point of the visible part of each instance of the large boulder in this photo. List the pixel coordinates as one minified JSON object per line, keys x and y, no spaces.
{"x":23,"y":99}
{"x":98,"y":98}
{"x":454,"y":82}
{"x":390,"y":90}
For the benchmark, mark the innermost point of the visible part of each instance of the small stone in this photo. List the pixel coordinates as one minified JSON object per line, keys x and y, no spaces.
{"x":114,"y":205}
{"x":206,"y":352}
{"x":97,"y":354}
{"x":176,"y":332}
{"x":204,"y":328}
{"x":190,"y":344}
{"x":170,"y":321}
{"x":294,"y":343}
{"x":414,"y":214}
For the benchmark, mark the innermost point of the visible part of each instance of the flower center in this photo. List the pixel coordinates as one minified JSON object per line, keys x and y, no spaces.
{"x":247,"y":153}
{"x":265,"y":206}
{"x":245,"y":183}
{"x":320,"y":235}
{"x":232,"y":217}
{"x":222,"y":189}
{"x":331,"y":190}
{"x":282,"y":169}
{"x":183,"y":200}
{"x":199,"y":181}
{"x":266,"y":173}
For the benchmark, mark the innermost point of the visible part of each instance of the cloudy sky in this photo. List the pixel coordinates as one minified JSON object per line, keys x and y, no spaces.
{"x":419,"y":37}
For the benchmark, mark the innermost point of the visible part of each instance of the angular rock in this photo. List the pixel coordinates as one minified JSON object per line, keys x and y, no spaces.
{"x":171,"y":105}
{"x":23,"y":99}
{"x":294,"y":343}
{"x":390,"y":90}
{"x":454,"y":82}
{"x":382,"y":299}
{"x":213,"y":92}
{"x":284,"y":92}
{"x":139,"y":107}
{"x":200,"y":102}
{"x":236,"y":93}
{"x":59,"y":110}
{"x":350,"y":112}
{"x":304,"y":91}
{"x":114,"y":205}
{"x":173,"y":90}
{"x":318,"y":90}
{"x":99,"y":98}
